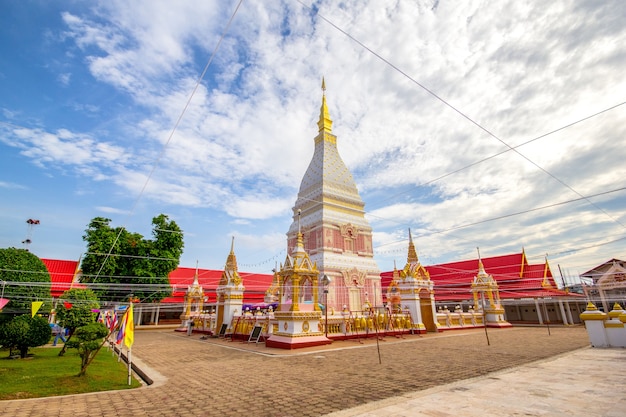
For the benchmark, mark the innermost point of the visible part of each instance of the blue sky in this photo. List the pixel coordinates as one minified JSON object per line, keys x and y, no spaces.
{"x":440,"y":110}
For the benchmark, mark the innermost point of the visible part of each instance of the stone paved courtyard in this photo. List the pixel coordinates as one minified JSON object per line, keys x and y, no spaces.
{"x":196,"y":377}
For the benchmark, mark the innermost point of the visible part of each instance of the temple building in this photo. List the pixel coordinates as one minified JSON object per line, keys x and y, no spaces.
{"x":487,"y":297}
{"x":411,"y":289}
{"x":337,"y":236}
{"x":194,"y":299}
{"x":608,"y":284}
{"x":528,"y":292}
{"x":297,"y":319}
{"x":330,"y":286}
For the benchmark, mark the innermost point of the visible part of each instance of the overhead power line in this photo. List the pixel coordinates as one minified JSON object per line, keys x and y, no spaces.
{"x":455,"y":109}
{"x":176,"y":124}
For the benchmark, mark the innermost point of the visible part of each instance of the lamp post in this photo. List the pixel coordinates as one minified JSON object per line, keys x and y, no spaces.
{"x":326,"y":282}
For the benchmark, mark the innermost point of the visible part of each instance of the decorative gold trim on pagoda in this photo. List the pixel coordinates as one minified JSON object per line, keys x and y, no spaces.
{"x":325,"y":137}
{"x":297,"y":315}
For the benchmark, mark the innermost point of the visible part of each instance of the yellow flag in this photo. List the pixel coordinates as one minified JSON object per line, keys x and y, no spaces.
{"x":34,"y":307}
{"x":129,"y":336}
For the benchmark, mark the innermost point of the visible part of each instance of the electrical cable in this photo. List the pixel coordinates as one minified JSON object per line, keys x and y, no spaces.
{"x":171,"y":135}
{"x":458,"y":111}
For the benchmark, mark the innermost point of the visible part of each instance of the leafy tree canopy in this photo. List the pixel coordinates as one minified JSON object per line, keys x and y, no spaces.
{"x":25,"y":279}
{"x":24,"y":332}
{"x":89,"y":339}
{"x":79,"y":310}
{"x":130,"y":264}
{"x":75,"y":309}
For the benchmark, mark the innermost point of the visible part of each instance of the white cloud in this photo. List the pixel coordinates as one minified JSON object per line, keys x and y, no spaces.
{"x":64,"y":147}
{"x":519,"y":70}
{"x":112,"y":210}
{"x":11,"y":185}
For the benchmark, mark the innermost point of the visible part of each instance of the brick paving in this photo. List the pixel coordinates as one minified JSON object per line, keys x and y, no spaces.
{"x":196,"y":377}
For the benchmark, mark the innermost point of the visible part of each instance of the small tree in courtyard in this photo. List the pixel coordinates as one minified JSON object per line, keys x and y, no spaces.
{"x":24,"y":332}
{"x":75,"y":309}
{"x":88,"y":340}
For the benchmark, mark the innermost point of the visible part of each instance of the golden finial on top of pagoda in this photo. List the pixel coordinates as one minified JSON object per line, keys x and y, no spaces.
{"x":324,"y":124}
{"x":412,"y":255}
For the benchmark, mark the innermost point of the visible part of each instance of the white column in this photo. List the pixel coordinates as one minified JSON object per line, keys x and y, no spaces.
{"x":563,"y":315}
{"x":569,"y":312}
{"x":605,"y":305}
{"x":538,"y":310}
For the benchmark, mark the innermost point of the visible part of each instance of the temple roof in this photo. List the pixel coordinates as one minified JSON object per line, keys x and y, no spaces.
{"x":598,"y":271}
{"x":62,"y":275}
{"x":516,"y":278}
{"x":181,"y":278}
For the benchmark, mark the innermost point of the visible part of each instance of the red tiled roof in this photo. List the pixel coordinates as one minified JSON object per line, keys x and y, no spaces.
{"x":61,"y":275}
{"x":515,"y":277}
{"x":452,"y":281}
{"x":181,"y":278}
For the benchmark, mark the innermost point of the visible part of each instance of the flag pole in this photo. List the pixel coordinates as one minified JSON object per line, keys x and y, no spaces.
{"x":129,"y":364}
{"x":129,"y":336}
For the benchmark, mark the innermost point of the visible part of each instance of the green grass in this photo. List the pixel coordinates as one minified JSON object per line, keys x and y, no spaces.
{"x":45,"y":374}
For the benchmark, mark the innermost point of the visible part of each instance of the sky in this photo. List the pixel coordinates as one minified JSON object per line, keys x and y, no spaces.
{"x":497,"y":125}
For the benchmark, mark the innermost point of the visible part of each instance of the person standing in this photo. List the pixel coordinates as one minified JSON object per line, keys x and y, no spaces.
{"x":190,"y":327}
{"x":59,"y":333}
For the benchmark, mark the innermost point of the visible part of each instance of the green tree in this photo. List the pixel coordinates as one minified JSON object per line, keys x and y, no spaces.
{"x":78,"y":312}
{"x":24,"y":332}
{"x":134,"y":265}
{"x":89,"y":340}
{"x":25,"y":279}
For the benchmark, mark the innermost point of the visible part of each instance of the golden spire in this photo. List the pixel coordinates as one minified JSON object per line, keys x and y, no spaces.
{"x":195,"y":278}
{"x":481,"y":268}
{"x":412,"y":256}
{"x":324,"y":124}
{"x":230,"y":276}
{"x":396,"y":274}
{"x":231,"y":261}
{"x":299,"y":248}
